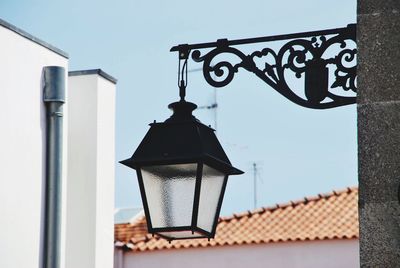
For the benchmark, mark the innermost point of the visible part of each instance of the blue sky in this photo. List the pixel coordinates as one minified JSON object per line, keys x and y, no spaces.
{"x":299,"y":151}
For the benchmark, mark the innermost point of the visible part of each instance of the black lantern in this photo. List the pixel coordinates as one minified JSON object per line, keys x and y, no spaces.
{"x":182,"y":172}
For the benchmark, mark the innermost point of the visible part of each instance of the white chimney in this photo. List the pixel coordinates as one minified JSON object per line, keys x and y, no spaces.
{"x":91,"y":162}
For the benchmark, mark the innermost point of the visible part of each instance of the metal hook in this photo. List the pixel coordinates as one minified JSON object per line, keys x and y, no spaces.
{"x":184,"y":52}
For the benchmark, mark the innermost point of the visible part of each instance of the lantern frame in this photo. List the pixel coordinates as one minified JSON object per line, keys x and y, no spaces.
{"x":195,"y":209}
{"x":182,"y":139}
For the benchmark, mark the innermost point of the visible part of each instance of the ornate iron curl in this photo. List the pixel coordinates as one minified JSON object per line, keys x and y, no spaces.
{"x":305,"y":55}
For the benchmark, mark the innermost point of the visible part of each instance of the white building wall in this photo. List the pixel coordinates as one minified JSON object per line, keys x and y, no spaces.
{"x":22,"y":147}
{"x":309,"y":254}
{"x":106,"y":174}
{"x":90,"y":201}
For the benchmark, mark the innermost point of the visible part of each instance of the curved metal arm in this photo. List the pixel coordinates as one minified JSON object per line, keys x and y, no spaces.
{"x":306,"y":56}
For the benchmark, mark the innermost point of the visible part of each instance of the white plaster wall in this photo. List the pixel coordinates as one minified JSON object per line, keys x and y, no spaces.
{"x":106,"y":173}
{"x":118,"y":258}
{"x":310,"y":254}
{"x":22,"y":148}
{"x":81,"y":185}
{"x":90,"y":201}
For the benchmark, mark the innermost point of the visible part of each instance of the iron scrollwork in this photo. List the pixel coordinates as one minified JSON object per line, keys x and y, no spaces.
{"x":326,"y":60}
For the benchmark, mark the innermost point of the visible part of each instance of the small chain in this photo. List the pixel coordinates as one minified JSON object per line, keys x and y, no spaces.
{"x":182,"y":77}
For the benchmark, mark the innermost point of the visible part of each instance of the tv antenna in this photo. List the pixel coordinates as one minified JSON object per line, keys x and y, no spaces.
{"x":214,"y":105}
{"x":256,"y":175}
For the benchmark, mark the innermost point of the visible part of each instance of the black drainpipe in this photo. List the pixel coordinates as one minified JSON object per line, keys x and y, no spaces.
{"x":54,"y":98}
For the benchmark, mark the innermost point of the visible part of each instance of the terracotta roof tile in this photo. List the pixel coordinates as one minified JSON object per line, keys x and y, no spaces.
{"x":326,"y":216}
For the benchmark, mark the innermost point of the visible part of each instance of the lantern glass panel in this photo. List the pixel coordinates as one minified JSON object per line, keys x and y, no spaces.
{"x":170,"y":194}
{"x":210,"y":193}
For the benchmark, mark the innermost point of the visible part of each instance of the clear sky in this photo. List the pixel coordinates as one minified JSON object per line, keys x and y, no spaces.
{"x":299,"y":151}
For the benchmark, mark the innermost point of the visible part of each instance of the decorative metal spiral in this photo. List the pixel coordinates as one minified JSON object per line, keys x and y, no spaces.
{"x":306,"y":58}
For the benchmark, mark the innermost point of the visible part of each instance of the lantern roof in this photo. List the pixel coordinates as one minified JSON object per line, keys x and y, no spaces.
{"x":182,"y":138}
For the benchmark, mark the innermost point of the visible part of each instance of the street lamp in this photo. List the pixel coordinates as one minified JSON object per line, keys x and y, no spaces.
{"x":182,"y":172}
{"x":181,"y":167}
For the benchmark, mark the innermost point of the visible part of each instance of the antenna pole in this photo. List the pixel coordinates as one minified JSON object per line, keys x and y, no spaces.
{"x":255,"y":184}
{"x":215,"y":109}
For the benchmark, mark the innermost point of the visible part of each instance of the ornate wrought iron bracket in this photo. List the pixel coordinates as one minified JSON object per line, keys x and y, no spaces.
{"x":325,"y":61}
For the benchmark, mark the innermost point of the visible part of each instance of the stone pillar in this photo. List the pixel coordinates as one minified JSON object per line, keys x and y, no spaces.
{"x":378,"y":40}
